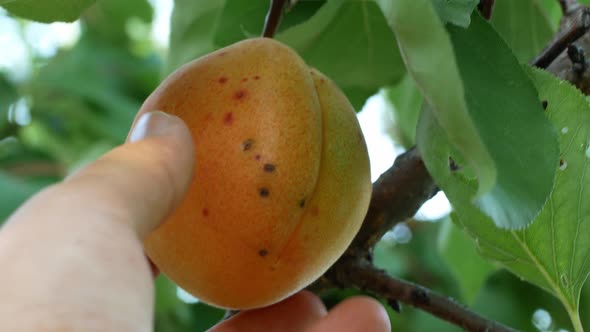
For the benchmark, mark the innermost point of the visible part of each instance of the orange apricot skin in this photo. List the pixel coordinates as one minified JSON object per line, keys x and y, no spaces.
{"x":281,"y":180}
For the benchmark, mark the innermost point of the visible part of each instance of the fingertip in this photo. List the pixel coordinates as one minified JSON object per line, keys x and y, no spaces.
{"x":296,"y":313}
{"x":372,"y":310}
{"x":308,"y":300}
{"x":361,"y":313}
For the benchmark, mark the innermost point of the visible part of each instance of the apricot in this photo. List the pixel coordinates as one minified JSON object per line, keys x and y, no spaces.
{"x":281,"y":182}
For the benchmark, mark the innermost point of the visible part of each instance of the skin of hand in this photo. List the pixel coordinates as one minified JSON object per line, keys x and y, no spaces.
{"x":71,"y":257}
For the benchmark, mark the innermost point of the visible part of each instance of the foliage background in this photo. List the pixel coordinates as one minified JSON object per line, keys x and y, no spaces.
{"x":79,"y":103}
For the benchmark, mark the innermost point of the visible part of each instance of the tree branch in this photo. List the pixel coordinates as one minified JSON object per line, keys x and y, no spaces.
{"x":568,"y":6}
{"x":273,"y":17}
{"x":578,"y":28}
{"x":397,"y":195}
{"x":364,"y":275}
{"x":570,"y":65}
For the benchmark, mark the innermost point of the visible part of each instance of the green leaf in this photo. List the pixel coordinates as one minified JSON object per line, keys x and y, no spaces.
{"x":524,"y":25}
{"x":72,"y":114}
{"x":457,"y":12}
{"x":47,"y":11}
{"x":192,"y":30}
{"x":109,"y":19}
{"x":469,"y":268}
{"x":240,"y":20}
{"x":358,"y":30}
{"x":510,"y":120}
{"x":407,"y":102}
{"x":103,"y":103}
{"x":429,"y":57}
{"x":553,"y":252}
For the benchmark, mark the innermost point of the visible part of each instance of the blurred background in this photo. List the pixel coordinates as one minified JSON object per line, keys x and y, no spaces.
{"x":69,"y":92}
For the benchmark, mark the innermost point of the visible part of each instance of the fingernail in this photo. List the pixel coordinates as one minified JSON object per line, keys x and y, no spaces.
{"x":153,"y":124}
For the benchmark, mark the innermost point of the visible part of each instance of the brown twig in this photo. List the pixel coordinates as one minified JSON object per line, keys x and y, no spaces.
{"x":397,"y":195}
{"x":364,"y":275}
{"x":580,"y":26}
{"x":273,"y":17}
{"x":570,"y":65}
{"x":568,"y":6}
{"x":577,"y":56}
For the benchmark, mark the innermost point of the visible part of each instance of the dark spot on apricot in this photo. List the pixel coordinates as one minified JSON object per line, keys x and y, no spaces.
{"x":256,"y":77}
{"x":247,"y":144}
{"x":315,"y":211}
{"x":228,"y":118}
{"x":257,"y":157}
{"x":222,"y":80}
{"x":205,"y":212}
{"x":240,"y":94}
{"x":544,"y":103}
{"x":302,"y":203}
{"x":223,"y":53}
{"x":263,"y":192}
{"x":245,"y":79}
{"x":262,"y":252}
{"x":269,"y":168}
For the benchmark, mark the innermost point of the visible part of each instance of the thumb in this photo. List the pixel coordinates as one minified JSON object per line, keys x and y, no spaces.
{"x":140,"y":182}
{"x":76,"y":234}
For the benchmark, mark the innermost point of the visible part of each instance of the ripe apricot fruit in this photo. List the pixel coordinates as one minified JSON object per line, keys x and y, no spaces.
{"x":281,"y":181}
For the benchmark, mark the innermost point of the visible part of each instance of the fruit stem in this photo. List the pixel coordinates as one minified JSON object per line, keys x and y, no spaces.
{"x":273,"y":17}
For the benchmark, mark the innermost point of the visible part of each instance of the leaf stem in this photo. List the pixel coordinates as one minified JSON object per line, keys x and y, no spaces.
{"x":575,"y":318}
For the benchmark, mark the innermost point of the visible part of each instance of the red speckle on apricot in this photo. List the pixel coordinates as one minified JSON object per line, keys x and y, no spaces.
{"x":228,"y":118}
{"x":240,"y":94}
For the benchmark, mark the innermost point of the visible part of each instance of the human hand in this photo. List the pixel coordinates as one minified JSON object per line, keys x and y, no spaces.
{"x":72,"y":260}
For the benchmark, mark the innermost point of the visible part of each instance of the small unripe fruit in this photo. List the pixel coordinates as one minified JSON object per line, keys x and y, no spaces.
{"x":281,"y":181}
